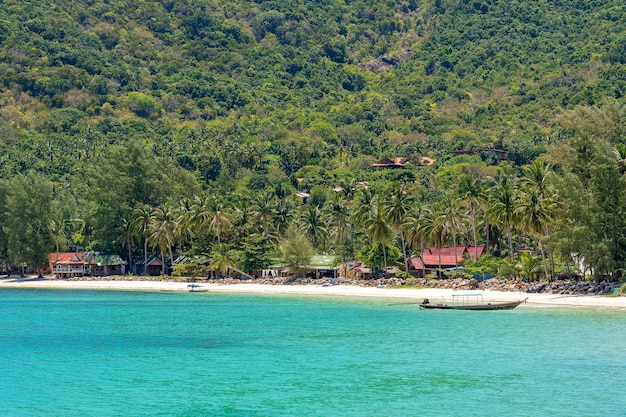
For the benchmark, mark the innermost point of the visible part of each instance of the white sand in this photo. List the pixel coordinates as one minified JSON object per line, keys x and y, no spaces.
{"x":402,"y":295}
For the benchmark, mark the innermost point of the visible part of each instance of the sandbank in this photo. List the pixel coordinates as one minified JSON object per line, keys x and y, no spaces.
{"x":398,"y":294}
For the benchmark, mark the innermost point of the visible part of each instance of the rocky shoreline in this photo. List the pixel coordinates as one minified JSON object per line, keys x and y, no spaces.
{"x":565,"y":287}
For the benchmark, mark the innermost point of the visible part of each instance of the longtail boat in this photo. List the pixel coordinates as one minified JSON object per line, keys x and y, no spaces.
{"x":471,"y":302}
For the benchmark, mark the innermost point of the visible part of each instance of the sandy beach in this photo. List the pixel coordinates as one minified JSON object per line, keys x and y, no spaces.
{"x":401,"y":294}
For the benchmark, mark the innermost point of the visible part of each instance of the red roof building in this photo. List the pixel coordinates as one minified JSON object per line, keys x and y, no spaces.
{"x":432,"y":259}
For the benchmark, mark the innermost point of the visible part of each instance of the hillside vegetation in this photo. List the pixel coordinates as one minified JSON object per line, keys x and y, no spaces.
{"x":207,"y":106}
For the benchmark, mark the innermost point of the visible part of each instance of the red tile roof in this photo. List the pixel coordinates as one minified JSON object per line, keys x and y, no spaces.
{"x":430,"y":257}
{"x":66,"y":258}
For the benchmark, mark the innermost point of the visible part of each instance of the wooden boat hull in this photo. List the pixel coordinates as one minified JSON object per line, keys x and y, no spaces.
{"x":196,"y":288}
{"x":479,"y":307}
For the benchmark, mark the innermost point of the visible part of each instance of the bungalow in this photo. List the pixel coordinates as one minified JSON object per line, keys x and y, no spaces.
{"x":154,"y":267}
{"x":104,"y":265}
{"x":321,"y":265}
{"x":79,"y":264}
{"x":362,"y":271}
{"x":68,"y":264}
{"x":349,"y":269}
{"x":433,"y":259}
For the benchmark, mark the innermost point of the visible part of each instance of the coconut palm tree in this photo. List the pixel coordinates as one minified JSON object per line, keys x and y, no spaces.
{"x":434,"y":227}
{"x":415,"y":227}
{"x":397,"y":206}
{"x":127,"y":238}
{"x":312,"y":223}
{"x":502,"y":204}
{"x":362,"y":206}
{"x":337,"y":213}
{"x":528,"y":266}
{"x":219,"y":221}
{"x":376,"y":227}
{"x":473,"y":200}
{"x":452,"y":220}
{"x":223,"y":259}
{"x":161,"y":227}
{"x":183,"y":223}
{"x":535,"y":214}
{"x":263,"y":208}
{"x":284,"y":211}
{"x":141,"y":226}
{"x":57,"y":229}
{"x":536,"y":185}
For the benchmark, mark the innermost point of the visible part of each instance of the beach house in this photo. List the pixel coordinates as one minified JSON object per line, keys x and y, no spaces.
{"x":433,"y":259}
{"x":79,"y":264}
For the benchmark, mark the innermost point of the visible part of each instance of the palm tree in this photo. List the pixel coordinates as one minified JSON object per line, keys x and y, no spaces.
{"x":434,"y":228}
{"x":312,"y":223}
{"x":162,"y":224}
{"x":57,"y":230}
{"x":537,"y":175}
{"x":337,"y":213}
{"x":376,"y":227}
{"x":451,"y":219}
{"x":128,"y":236}
{"x":502,"y":206}
{"x":535,"y":213}
{"x":415,"y":227}
{"x":472,"y":199}
{"x":363,"y":206}
{"x":397,"y":207}
{"x":219,"y":221}
{"x":183,"y":223}
{"x":528,"y":266}
{"x":537,"y":187}
{"x":283,"y":213}
{"x":223,"y":259}
{"x":141,"y":225}
{"x":263,"y":207}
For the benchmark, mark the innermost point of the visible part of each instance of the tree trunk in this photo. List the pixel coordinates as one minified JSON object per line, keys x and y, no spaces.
{"x":145,"y":255}
{"x":129,"y":260}
{"x":543,"y":258}
{"x":406,"y":261}
{"x":475,"y":237}
{"x":385,"y":259}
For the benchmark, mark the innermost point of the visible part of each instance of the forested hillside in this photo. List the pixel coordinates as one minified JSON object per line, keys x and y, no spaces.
{"x":207,"y":116}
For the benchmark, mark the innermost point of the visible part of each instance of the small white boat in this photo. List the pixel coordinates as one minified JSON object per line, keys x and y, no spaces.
{"x":196,"y":288}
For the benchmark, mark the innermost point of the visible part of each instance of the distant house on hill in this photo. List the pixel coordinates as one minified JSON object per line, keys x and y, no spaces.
{"x":425,"y":160}
{"x":398,"y":162}
{"x":303,"y":196}
{"x":499,"y":154}
{"x":433,"y":259}
{"x":79,"y":264}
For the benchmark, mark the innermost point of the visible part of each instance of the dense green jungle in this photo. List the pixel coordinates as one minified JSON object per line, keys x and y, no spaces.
{"x":242,"y":133}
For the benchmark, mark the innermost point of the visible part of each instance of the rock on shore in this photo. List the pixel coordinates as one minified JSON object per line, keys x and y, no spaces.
{"x":565,"y":287}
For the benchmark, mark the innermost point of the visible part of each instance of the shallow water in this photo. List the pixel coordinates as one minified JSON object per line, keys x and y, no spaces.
{"x":77,"y":353}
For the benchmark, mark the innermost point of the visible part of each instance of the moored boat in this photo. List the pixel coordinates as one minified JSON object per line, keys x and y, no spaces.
{"x":471,"y":302}
{"x":196,"y":288}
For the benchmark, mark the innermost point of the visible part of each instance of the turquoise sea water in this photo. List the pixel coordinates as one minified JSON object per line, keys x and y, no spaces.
{"x":90,"y":353}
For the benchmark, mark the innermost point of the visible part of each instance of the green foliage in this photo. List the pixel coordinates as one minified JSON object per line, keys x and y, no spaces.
{"x":296,"y":251}
{"x":120,"y":105}
{"x":374,"y":256}
{"x":28,"y":209}
{"x":485,"y":265}
{"x":255,"y":253}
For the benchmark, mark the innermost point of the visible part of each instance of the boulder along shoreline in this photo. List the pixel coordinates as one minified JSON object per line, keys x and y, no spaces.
{"x":565,"y":287}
